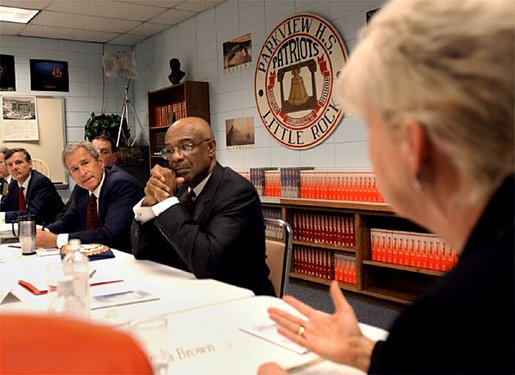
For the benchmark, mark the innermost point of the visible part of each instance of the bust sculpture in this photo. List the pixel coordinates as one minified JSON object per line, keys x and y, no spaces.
{"x":176,"y":73}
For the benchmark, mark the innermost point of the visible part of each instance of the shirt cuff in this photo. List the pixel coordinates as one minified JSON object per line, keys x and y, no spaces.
{"x":143,"y":214}
{"x":162,"y":206}
{"x":62,"y":239}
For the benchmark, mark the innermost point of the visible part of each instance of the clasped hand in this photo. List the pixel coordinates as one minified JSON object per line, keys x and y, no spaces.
{"x":161,"y":185}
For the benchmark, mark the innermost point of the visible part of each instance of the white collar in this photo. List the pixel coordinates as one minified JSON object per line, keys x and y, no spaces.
{"x":198,"y":189}
{"x":99,"y":186}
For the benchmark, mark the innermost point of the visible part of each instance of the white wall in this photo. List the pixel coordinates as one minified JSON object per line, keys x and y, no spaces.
{"x":197,"y":42}
{"x":85,"y":74}
{"x":86,"y":94}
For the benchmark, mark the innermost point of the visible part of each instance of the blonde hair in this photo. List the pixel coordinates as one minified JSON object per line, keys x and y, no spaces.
{"x":448,"y":65}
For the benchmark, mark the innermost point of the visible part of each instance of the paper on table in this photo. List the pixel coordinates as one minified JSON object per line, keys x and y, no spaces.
{"x":37,"y":284}
{"x":121,"y":298}
{"x":269,"y":333}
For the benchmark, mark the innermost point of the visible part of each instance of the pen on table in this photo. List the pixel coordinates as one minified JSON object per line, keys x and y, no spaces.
{"x":92,"y":273}
{"x":15,"y":246}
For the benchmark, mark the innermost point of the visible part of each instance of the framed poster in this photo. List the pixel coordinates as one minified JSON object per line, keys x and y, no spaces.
{"x":49,"y":75}
{"x":7,"y":73}
{"x":239,"y":133}
{"x":237,"y":53}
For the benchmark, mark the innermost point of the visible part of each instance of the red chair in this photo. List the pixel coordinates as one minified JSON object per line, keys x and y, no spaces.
{"x":44,"y":344}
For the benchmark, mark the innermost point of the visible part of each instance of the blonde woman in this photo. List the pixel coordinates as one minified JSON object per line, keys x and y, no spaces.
{"x":435,"y":82}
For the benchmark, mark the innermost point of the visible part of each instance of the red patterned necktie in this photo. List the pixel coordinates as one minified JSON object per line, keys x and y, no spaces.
{"x":92,"y":221}
{"x":21,"y":199}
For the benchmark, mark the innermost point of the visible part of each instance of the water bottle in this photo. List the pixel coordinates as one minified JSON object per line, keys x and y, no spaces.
{"x":66,"y":302}
{"x":75,"y":264}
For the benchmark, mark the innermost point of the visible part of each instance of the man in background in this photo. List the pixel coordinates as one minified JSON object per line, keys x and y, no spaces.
{"x":30,"y":192}
{"x":199,"y":216}
{"x":102,"y":201}
{"x":106,"y":147}
{"x":5,"y":177}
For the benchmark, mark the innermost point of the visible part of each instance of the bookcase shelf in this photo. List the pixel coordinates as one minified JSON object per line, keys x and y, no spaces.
{"x":386,"y":280}
{"x":171,"y":103}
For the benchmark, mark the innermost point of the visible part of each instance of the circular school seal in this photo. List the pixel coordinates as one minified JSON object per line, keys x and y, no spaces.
{"x":294,"y":80}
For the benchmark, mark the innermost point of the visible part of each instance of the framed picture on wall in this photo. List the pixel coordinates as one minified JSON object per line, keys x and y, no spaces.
{"x":49,"y":75}
{"x":7,"y":73}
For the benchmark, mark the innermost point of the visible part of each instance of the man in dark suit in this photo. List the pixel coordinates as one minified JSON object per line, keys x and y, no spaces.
{"x":111,"y":194}
{"x":5,"y":177}
{"x":220,"y":234}
{"x":107,"y":153}
{"x":30,"y":192}
{"x":106,"y":146}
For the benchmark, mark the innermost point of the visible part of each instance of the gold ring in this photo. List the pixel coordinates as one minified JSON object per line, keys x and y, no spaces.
{"x":301,"y":330}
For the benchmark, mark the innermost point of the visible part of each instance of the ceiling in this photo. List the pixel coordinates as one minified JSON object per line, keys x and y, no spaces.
{"x":123,"y":22}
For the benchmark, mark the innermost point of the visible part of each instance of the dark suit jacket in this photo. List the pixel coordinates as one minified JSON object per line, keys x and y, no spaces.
{"x":41,"y":199}
{"x":223,"y":239}
{"x":120,"y":192}
{"x":465,"y":323}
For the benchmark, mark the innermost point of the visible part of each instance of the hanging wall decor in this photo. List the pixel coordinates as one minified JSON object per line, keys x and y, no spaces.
{"x":49,"y":75}
{"x":294,"y":81}
{"x":7,"y":73}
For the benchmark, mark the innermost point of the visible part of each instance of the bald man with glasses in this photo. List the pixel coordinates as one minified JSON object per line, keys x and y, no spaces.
{"x":199,"y":216}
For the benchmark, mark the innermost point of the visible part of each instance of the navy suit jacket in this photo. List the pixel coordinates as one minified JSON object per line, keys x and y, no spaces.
{"x":120,"y":192}
{"x":223,"y":238}
{"x":41,"y":200}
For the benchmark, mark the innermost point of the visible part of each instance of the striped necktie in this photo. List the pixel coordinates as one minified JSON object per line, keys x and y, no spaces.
{"x":21,"y":199}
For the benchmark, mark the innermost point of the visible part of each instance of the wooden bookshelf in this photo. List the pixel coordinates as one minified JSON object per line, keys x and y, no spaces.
{"x":171,"y":103}
{"x":392,"y":282}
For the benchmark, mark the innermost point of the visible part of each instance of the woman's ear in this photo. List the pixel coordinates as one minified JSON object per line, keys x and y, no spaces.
{"x":417,"y":145}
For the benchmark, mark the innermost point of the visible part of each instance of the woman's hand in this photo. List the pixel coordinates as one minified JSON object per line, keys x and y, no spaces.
{"x":336,"y":337}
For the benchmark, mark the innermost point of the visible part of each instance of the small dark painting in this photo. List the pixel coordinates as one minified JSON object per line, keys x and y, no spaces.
{"x":49,"y":75}
{"x":7,"y":73}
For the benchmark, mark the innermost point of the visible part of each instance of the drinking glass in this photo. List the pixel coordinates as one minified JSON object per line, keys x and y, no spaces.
{"x":153,"y":335}
{"x":54,"y":273}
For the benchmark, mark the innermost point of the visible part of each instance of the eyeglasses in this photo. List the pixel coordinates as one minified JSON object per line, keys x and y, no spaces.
{"x":181,"y":148}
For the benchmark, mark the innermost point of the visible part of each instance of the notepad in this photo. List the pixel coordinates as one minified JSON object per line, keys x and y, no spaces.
{"x":121,"y":298}
{"x":269,"y":333}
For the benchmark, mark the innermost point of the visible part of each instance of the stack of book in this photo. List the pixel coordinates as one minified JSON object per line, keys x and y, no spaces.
{"x":345,"y":268}
{"x":290,"y":181}
{"x":327,"y":229}
{"x":166,"y":114}
{"x":257,"y":177}
{"x":272,"y":187}
{"x":345,"y":186}
{"x":419,"y":250}
{"x":313,"y":262}
{"x":272,"y":230}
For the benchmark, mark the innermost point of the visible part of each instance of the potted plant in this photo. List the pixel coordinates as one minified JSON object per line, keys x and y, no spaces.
{"x":107,"y":125}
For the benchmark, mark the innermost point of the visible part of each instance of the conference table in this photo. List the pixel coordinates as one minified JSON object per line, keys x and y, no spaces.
{"x":213,"y":327}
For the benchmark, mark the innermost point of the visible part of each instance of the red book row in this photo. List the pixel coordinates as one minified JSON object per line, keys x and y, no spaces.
{"x":419,"y":250}
{"x":336,"y":230}
{"x":345,"y":186}
{"x":345,"y":268}
{"x":313,"y":262}
{"x":166,"y":114}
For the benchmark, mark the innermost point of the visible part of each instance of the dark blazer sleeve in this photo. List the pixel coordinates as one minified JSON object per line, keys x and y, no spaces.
{"x":119,"y":194}
{"x":42,"y":200}
{"x":223,"y":239}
